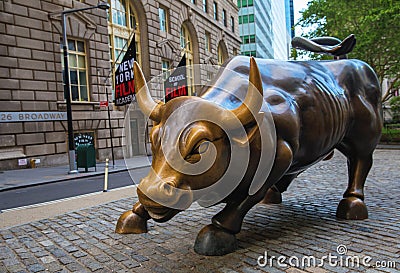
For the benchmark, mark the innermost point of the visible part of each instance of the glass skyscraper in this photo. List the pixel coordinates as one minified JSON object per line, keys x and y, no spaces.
{"x":265,"y":27}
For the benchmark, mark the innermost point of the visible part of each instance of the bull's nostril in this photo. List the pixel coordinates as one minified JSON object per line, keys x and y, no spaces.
{"x":169,"y":189}
{"x":166,"y":192}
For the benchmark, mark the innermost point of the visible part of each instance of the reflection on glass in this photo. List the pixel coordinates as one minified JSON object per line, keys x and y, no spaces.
{"x":74,"y":92}
{"x":82,"y":77}
{"x":84,"y":95}
{"x":163,"y":19}
{"x":81,"y":61}
{"x":183,"y":34}
{"x":119,"y":12}
{"x":74,"y":77}
{"x":72,"y":60}
{"x":133,"y":21}
{"x":81,"y":46}
{"x":114,"y":16}
{"x":71,"y":45}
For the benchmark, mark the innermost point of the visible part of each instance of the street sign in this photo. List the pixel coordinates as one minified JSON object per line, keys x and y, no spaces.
{"x":103,"y":103}
{"x":32,"y":116}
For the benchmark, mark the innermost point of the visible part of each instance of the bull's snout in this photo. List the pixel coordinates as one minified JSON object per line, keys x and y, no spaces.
{"x":161,"y":195}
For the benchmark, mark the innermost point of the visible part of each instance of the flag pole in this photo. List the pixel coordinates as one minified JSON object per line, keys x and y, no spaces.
{"x":109,"y":126}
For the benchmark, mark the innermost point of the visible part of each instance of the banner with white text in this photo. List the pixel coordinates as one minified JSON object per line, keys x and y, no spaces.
{"x":176,"y":83}
{"x":124,"y":78}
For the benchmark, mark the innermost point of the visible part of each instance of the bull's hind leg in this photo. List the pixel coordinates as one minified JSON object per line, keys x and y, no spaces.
{"x":274,"y":194}
{"x":352,"y":205}
{"x":133,"y":221}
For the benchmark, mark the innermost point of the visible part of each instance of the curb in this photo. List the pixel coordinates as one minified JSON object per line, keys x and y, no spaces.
{"x":70,"y":178}
{"x":388,"y":146}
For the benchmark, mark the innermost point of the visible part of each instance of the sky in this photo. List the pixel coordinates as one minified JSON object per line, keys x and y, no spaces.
{"x":298,"y":6}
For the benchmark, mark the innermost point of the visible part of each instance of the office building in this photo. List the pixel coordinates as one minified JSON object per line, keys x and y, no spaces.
{"x":31,"y":67}
{"x":265,"y":28}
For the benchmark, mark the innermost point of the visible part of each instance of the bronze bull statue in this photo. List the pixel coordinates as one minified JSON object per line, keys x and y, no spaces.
{"x":316,"y":107}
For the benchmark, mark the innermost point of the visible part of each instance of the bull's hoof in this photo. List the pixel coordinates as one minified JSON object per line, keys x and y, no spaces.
{"x":213,"y":241}
{"x":352,"y":208}
{"x":130,"y":222}
{"x":272,"y":197}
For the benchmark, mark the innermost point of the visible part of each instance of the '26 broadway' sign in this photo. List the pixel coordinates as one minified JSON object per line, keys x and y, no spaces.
{"x":32,"y":116}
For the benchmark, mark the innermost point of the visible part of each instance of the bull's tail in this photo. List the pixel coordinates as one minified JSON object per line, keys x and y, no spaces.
{"x":326,"y":45}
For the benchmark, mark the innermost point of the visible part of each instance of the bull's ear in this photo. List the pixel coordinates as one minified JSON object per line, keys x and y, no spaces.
{"x":252,"y":132}
{"x":253,"y":100}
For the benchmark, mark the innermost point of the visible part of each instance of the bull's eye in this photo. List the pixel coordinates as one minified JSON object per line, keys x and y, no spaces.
{"x":196,"y":152}
{"x":201,"y":148}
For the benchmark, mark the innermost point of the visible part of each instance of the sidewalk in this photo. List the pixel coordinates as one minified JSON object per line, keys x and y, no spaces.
{"x":42,"y":175}
{"x":78,"y":235}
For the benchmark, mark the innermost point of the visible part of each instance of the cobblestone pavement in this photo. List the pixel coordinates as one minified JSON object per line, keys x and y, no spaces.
{"x":304,"y":224}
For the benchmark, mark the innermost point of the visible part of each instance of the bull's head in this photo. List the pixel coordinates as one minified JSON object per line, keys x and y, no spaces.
{"x":191,"y":150}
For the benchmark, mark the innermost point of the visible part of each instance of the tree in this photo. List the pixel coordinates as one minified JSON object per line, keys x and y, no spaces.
{"x":395,"y":109}
{"x":376,"y":24}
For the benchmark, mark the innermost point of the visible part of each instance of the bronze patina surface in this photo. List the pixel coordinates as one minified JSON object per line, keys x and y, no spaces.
{"x":316,"y":106}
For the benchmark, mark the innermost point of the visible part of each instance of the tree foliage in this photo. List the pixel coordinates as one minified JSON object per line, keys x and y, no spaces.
{"x":395,"y":109}
{"x":376,"y":24}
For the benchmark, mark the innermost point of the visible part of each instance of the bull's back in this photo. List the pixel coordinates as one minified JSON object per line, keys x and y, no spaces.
{"x":310,"y":109}
{"x":311,"y":102}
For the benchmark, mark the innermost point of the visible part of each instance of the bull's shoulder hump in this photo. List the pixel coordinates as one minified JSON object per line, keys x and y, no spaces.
{"x":348,"y":65}
{"x":352,"y":68}
{"x":241,"y":64}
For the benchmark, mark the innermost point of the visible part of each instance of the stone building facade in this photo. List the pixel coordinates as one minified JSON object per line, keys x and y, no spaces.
{"x":31,"y":67}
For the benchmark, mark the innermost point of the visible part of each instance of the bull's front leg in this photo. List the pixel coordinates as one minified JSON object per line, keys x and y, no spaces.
{"x":219,"y":238}
{"x":133,"y":221}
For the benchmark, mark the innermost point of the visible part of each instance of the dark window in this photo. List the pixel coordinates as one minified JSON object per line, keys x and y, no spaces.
{"x":249,"y":39}
{"x":215,"y":6}
{"x":224,"y":18}
{"x":251,"y":18}
{"x":249,"y":53}
{"x":244,"y":19}
{"x":205,"y":8}
{"x":245,"y":3}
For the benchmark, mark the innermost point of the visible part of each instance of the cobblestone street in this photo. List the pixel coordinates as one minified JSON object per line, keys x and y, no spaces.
{"x":303,"y":225}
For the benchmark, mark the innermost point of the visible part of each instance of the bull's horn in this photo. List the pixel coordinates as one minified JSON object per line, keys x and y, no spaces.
{"x":253,"y":101}
{"x":146,"y":103}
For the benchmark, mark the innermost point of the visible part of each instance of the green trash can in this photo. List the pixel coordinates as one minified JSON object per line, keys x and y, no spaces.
{"x":86,"y":156}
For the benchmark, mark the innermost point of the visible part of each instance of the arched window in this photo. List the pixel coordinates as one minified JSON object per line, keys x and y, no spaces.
{"x":187,"y":48}
{"x":222,"y":55}
{"x":122,"y":23}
